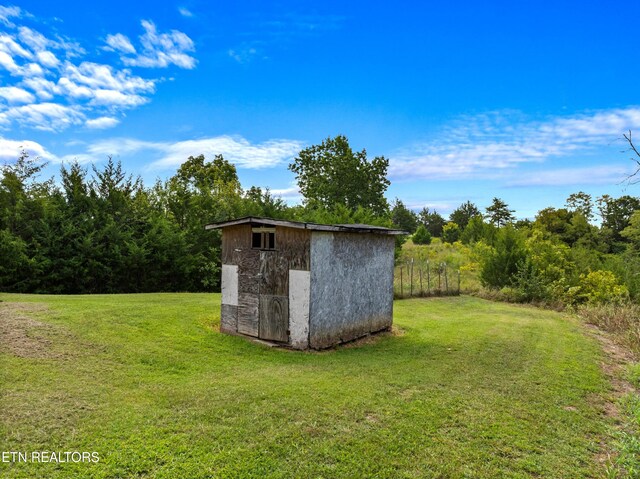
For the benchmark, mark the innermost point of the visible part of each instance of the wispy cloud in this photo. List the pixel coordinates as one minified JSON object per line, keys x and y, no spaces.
{"x":595,"y":175}
{"x":265,"y":33}
{"x":50,"y":87}
{"x":10,"y":150}
{"x":6,"y":13}
{"x":185,"y":12}
{"x":156,"y":50}
{"x":243,"y":53}
{"x":169,"y":155}
{"x":102,"y":123}
{"x":491,"y":144}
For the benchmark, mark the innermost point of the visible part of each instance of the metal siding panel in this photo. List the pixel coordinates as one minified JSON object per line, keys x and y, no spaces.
{"x":351,"y":286}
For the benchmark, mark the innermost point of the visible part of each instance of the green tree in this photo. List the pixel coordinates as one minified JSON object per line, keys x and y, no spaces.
{"x":450,"y":232}
{"x":499,"y":213}
{"x":463,"y":214}
{"x":403,"y":218}
{"x":500,"y":266}
{"x":616,"y":214}
{"x":421,"y":236}
{"x":478,"y":230}
{"x":432,"y":220}
{"x":332,"y":173}
{"x":582,"y":203}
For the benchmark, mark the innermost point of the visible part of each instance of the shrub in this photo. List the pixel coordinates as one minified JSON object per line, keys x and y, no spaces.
{"x":500,"y":264}
{"x":597,"y":288}
{"x":450,"y":232}
{"x":422,"y":236}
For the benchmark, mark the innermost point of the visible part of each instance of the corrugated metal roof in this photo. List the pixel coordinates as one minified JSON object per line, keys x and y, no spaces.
{"x":346,"y":228}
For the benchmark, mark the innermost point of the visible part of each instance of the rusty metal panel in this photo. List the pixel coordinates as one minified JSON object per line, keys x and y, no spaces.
{"x":229,"y":318}
{"x":274,"y":317}
{"x":248,"y":314}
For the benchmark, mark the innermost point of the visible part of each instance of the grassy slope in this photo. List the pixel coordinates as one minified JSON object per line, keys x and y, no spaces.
{"x":471,"y":389}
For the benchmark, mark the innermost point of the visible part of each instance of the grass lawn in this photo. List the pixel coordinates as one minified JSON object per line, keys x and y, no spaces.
{"x":465,"y":388}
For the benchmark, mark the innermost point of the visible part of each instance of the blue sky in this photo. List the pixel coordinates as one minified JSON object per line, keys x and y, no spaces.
{"x":527,"y":101}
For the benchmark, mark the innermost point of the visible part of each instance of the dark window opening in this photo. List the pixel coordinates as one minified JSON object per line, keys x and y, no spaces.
{"x":256,"y":240}
{"x":263,"y":238}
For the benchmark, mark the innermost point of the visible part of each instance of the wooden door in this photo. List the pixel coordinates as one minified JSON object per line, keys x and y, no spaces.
{"x":274,"y":297}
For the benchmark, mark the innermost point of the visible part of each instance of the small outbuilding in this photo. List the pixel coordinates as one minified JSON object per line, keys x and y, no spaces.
{"x":305,"y":285}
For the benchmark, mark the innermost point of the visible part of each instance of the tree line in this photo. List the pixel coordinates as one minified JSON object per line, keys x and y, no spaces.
{"x":101,"y":230}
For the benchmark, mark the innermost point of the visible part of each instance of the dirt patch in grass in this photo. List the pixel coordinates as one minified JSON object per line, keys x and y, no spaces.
{"x":26,"y":337}
{"x":617,"y":358}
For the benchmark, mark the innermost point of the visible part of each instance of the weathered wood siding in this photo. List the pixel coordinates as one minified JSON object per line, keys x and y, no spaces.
{"x":351,"y":286}
{"x":263,"y":280}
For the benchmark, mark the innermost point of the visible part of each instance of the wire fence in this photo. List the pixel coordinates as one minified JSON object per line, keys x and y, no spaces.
{"x":424,"y":278}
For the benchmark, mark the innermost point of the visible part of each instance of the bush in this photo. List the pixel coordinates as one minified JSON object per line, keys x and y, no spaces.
{"x":422,"y":236}
{"x":501,"y":263}
{"x":601,"y":287}
{"x":450,"y":232}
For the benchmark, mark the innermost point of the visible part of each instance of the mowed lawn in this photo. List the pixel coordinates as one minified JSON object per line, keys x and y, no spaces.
{"x":463,"y":388}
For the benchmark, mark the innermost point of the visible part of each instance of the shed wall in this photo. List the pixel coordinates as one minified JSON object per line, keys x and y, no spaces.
{"x":351,"y":286}
{"x":262,"y":280}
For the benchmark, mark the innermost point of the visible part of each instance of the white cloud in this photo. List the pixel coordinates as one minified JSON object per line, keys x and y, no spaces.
{"x":10,"y":150}
{"x":102,"y":123}
{"x":8,"y":12}
{"x":13,"y":94}
{"x":243,"y":54}
{"x":43,"y":116}
{"x":60,"y":91}
{"x":119,"y":43}
{"x":482,"y":145}
{"x":47,"y":59}
{"x":115,"y":98}
{"x":158,"y":50}
{"x":185,"y":12}
{"x":97,"y":75}
{"x":169,"y":155}
{"x":594,"y":175}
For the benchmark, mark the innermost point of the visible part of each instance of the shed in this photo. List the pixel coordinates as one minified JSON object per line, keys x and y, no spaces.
{"x":305,"y":285}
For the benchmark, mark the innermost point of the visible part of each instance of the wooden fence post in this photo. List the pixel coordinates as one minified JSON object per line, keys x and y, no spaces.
{"x":411,"y":280}
{"x":401,"y":293}
{"x":446,"y":278}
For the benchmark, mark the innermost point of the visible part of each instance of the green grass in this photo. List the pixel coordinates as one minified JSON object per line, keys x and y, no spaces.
{"x":466,"y":388}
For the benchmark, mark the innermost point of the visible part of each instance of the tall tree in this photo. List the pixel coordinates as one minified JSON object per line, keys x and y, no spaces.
{"x":403,"y":217}
{"x":331,"y":173}
{"x":463,"y":213}
{"x":499,"y":213}
{"x":582,"y":203}
{"x":432,"y":220}
{"x":616,"y":214}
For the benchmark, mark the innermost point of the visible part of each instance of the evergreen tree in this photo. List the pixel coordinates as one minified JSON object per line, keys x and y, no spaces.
{"x":499,"y":213}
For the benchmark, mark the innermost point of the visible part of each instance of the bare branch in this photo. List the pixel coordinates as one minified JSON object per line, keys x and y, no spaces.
{"x":633,"y":178}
